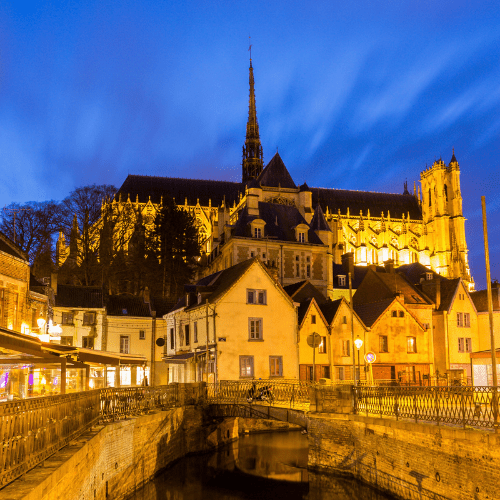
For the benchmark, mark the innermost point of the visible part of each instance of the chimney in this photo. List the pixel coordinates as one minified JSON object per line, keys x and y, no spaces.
{"x":53,"y":282}
{"x":432,"y":289}
{"x":389,"y":266}
{"x":348,"y":263}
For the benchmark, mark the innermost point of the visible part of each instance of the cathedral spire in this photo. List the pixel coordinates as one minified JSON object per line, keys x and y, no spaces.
{"x":252,"y":150}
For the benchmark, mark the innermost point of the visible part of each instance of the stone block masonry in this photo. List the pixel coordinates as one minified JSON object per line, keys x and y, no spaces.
{"x":411,"y":461}
{"x":114,"y":460}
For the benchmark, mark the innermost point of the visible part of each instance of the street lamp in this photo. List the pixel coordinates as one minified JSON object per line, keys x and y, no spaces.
{"x":358,"y":343}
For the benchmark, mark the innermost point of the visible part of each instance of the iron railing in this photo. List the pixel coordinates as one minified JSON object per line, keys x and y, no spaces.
{"x":283,"y":393}
{"x":455,"y":405}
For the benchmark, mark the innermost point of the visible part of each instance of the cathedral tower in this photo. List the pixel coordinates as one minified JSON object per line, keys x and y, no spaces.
{"x":444,"y":220}
{"x":253,"y":158}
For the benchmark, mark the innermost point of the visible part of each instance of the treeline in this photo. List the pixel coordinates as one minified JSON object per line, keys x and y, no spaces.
{"x":112,"y":247}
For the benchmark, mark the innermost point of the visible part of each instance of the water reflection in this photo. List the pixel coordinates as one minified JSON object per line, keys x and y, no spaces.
{"x":258,"y":467}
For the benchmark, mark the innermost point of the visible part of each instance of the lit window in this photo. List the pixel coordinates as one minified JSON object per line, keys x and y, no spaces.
{"x":322,"y":346}
{"x":428,"y":276}
{"x":276,"y":366}
{"x":66,"y":340}
{"x":411,"y":343}
{"x":246,"y":366}
{"x":142,"y":335}
{"x":254,"y":328}
{"x":383,"y":345}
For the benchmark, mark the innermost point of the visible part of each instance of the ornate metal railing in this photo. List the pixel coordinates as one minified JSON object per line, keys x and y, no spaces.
{"x":33,"y":429}
{"x":284,"y":393}
{"x":457,"y":405}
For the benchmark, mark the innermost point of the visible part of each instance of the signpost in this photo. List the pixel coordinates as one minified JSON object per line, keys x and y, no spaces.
{"x":370,"y":358}
{"x":314,"y":340}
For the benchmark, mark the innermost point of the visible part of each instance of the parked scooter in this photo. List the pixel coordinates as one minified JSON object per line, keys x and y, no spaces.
{"x":259,"y":393}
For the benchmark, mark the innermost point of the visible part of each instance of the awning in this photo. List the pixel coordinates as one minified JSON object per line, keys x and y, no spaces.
{"x":483,"y":354}
{"x":178,"y":359}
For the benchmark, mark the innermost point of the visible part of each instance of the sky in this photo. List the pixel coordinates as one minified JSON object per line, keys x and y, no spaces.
{"x":355,"y":95}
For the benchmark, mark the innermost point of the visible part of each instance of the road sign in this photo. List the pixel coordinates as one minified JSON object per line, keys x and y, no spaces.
{"x":370,"y":357}
{"x":314,"y":340}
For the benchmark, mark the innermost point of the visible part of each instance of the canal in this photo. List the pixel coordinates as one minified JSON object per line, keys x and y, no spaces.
{"x":256,"y":467}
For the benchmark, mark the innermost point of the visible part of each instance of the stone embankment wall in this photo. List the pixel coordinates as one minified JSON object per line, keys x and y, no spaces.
{"x":409,"y":460}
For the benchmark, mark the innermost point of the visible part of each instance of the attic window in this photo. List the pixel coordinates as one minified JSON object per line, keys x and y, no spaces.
{"x":428,"y":276}
{"x":341,"y":280}
{"x":187,"y":299}
{"x":257,"y":232}
{"x":302,"y":237}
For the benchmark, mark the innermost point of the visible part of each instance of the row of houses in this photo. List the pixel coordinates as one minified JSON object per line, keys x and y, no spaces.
{"x":241,"y":323}
{"x":412,"y":325}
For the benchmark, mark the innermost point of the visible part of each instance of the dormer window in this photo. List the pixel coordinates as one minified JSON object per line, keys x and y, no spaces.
{"x":257,"y":232}
{"x":257,"y":228}
{"x":302,"y":237}
{"x":301,"y":232}
{"x":428,"y":276}
{"x":187,"y":299}
{"x":341,"y":280}
{"x":199,"y":298}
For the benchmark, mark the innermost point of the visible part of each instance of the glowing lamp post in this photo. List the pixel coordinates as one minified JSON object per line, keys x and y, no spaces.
{"x":358,"y":343}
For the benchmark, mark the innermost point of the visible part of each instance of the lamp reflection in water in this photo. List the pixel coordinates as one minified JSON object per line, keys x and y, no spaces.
{"x":358,"y":343}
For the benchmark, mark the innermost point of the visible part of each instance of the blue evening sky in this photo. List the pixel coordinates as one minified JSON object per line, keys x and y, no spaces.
{"x":356,"y":95}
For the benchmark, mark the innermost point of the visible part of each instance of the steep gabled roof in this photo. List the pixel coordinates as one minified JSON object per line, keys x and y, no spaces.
{"x":304,"y":290}
{"x":413,"y":272}
{"x":357,"y":279}
{"x":448,"y":292}
{"x":276,"y":175}
{"x":318,"y":222}
{"x":146,"y":186}
{"x":330,"y":308}
{"x":280,"y":223}
{"x":371,"y":312}
{"x":304,"y":308}
{"x":88,"y":297}
{"x":480,"y":299}
{"x":355,"y":201}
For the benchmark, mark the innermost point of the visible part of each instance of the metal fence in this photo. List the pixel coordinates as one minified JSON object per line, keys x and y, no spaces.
{"x":456,"y":405}
{"x":284,"y":393}
{"x":31,"y":430}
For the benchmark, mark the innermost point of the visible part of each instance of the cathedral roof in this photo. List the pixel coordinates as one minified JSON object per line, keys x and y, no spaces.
{"x":355,"y":201}
{"x":281,"y":221}
{"x":193,"y":189}
{"x":276,"y":174}
{"x":318,"y":222}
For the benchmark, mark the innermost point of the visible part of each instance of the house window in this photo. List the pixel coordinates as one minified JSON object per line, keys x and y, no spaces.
{"x":186,"y":334}
{"x":411,"y":344}
{"x":302,"y":237}
{"x":88,"y":318}
{"x":341,"y":280}
{"x":297,"y":270}
{"x":256,"y":297}
{"x":428,"y":276}
{"x":394,"y":314}
{"x":172,"y":339}
{"x":257,"y":232}
{"x":246,"y":366}
{"x":66,"y":340}
{"x":383,"y":345}
{"x":199,"y":295}
{"x":308,"y":271}
{"x":195,"y":332}
{"x":463,"y":320}
{"x":88,"y":342}
{"x":344,"y":320}
{"x":401,"y":314}
{"x":340,"y":373}
{"x":313,"y":319}
{"x":276,"y":366}
{"x":254,"y":328}
{"x":464,"y":344}
{"x":322,"y":346}
{"x":124,"y":344}
{"x":346,"y":348}
{"x":67,"y":318}
{"x":142,"y":335}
